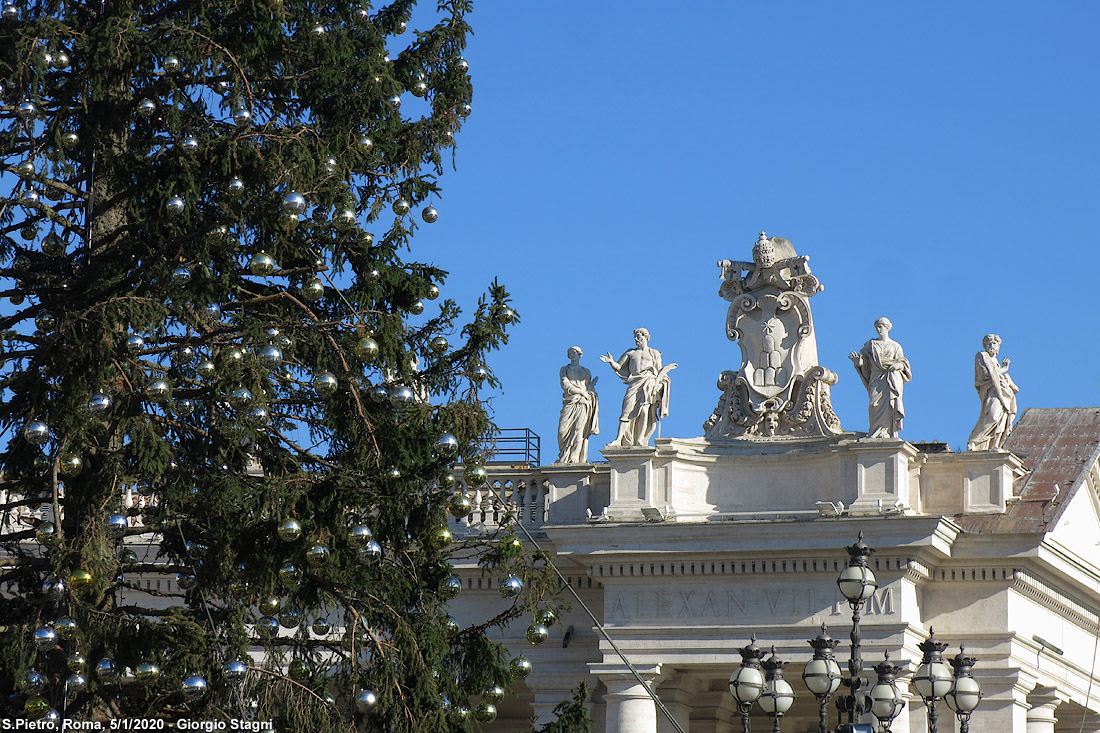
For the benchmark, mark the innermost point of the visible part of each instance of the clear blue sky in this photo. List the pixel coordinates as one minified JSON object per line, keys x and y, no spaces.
{"x":938,"y":162}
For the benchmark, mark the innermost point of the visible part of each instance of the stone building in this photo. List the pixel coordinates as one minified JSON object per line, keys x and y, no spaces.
{"x":686,"y":549}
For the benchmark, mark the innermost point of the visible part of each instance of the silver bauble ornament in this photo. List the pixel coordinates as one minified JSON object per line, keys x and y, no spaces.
{"x":157,"y":390}
{"x":359,"y":536}
{"x":494,"y":694}
{"x":32,"y":682}
{"x":365,"y":143}
{"x":379,"y":394}
{"x":75,"y":684}
{"x":371,"y":552}
{"x":446,"y":445}
{"x":326,"y":383}
{"x":289,"y":530}
{"x":29,"y":198}
{"x":262,"y":265}
{"x":460,"y":506}
{"x":53,"y":245}
{"x":464,"y":111}
{"x":449,"y":588}
{"x":46,"y":533}
{"x":366,"y":701}
{"x":290,"y":618}
{"x":117,"y":526}
{"x":321,"y":627}
{"x":236,"y":186}
{"x":135,"y":344}
{"x":419,"y":89}
{"x":175,"y":205}
{"x":69,"y":140}
{"x":206,"y":369}
{"x":241,"y":116}
{"x":184,"y":407}
{"x":485,"y":712}
{"x":458,"y":715}
{"x":182,"y":356}
{"x":313,"y":290}
{"x":234,"y":671}
{"x":106,"y":670}
{"x":240,"y":397}
{"x":189,"y":144}
{"x":462,"y":65}
{"x":520,"y":667}
{"x":510,"y":587}
{"x":294,"y":203}
{"x":181,"y":275}
{"x":417,"y":307}
{"x":193,"y":688}
{"x":450,"y":626}
{"x":147,"y":108}
{"x":395,"y":101}
{"x":45,"y":321}
{"x":433,"y":292}
{"x":70,"y":464}
{"x":438,"y":344}
{"x":26,"y":110}
{"x":318,"y":555}
{"x":186,"y":581}
{"x":25,"y":169}
{"x":271,"y":356}
{"x":60,"y":61}
{"x":45,"y":638}
{"x":430,"y":214}
{"x":401,"y":396}
{"x":367,"y":349}
{"x":401,"y":206}
{"x":36,"y":432}
{"x":507,"y":315}
{"x":345,"y":218}
{"x":546,"y":617}
{"x":266,"y":626}
{"x":476,"y":476}
{"x":147,"y":673}
{"x":171,"y":64}
{"x":537,"y":634}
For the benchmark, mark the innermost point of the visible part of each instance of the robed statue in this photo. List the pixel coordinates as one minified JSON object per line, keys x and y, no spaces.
{"x":882,"y":366}
{"x":647,"y":391}
{"x":997,"y":392}
{"x":580,"y":409}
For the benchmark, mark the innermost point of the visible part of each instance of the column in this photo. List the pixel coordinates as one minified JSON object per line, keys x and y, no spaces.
{"x":629,"y":706}
{"x":1040,"y":718}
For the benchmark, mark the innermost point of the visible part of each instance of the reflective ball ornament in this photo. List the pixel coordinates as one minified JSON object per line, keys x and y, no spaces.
{"x":372,"y":552}
{"x":367,"y":349}
{"x":458,"y":715}
{"x":236,"y":186}
{"x":193,"y":688}
{"x":116,"y":526}
{"x":290,"y":618}
{"x":36,"y":707}
{"x":460,"y":506}
{"x":520,"y":667}
{"x":321,"y":627}
{"x":294,"y":203}
{"x":325,"y":384}
{"x":262,"y":265}
{"x":546,"y":617}
{"x":485,"y":712}
{"x":53,"y":245}
{"x":446,"y":445}
{"x":313,"y":290}
{"x":80,"y":580}
{"x":189,"y":144}
{"x":290,"y":575}
{"x":26,"y":110}
{"x":318,"y":555}
{"x":450,"y":626}
{"x":537,"y":634}
{"x":449,"y":588}
{"x":299,"y":670}
{"x":36,"y":432}
{"x":234,"y":671}
{"x":98,"y":404}
{"x":66,"y":628}
{"x":45,"y":638}
{"x":266,"y":626}
{"x":289,"y":530}
{"x":271,"y":356}
{"x":401,"y":206}
{"x":401,"y":396}
{"x":476,"y":476}
{"x":494,"y":694}
{"x":440,"y":538}
{"x":157,"y":390}
{"x":438,"y":344}
{"x":45,"y":533}
{"x":242,"y":116}
{"x":430,"y":214}
{"x":417,"y":307}
{"x":171,"y":64}
{"x":366,"y":701}
{"x":345,"y":219}
{"x":147,"y":673}
{"x":365,"y":143}
{"x":146,"y":108}
{"x":175,"y":205}
{"x":270,"y":605}
{"x":510,"y":587}
{"x":32,"y":682}
{"x":359,"y":536}
{"x":106,"y":670}
{"x":75,"y":684}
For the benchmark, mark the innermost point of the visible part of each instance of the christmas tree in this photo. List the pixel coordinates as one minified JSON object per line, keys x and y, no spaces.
{"x":221,"y":371}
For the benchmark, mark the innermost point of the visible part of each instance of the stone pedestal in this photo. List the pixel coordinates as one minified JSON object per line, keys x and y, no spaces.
{"x":1041,"y":717}
{"x":629,"y":708}
{"x":567,"y":491}
{"x":632,"y":481}
{"x":882,"y":476}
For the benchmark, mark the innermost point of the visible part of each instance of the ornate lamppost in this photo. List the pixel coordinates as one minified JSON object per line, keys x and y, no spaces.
{"x":857,"y":583}
{"x":747,"y":683}
{"x":778,"y":695}
{"x":932,"y":679}
{"x":822,"y":675}
{"x":755,"y":680}
{"x":965,"y":693}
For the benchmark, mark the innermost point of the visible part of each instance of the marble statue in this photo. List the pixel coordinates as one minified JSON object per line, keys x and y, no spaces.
{"x":997,"y":392}
{"x":780,"y":391}
{"x":882,"y":366}
{"x":580,"y":409}
{"x":647,"y":391}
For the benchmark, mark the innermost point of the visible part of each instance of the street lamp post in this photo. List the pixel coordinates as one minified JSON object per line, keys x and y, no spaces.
{"x":857,"y":584}
{"x":822,"y":675}
{"x":886,"y":699}
{"x":778,"y":695}
{"x":932,"y":679}
{"x":747,"y":683}
{"x":965,"y":693}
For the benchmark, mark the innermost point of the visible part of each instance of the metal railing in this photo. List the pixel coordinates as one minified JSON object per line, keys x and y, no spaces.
{"x":514,"y":446}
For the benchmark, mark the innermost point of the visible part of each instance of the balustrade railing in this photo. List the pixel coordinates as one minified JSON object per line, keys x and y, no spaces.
{"x":508,"y":498}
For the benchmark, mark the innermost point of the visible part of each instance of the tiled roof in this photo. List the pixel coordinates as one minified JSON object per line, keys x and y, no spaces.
{"x":1058,"y":445}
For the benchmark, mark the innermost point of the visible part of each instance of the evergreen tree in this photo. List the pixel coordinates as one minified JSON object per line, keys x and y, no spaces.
{"x":217,"y":369}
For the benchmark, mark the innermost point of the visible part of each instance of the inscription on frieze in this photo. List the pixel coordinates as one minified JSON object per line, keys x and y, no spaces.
{"x":734,"y":603}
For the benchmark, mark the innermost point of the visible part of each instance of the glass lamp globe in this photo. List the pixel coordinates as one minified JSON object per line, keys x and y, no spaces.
{"x":857,"y":583}
{"x":886,"y":701}
{"x":777,"y":697}
{"x":964,"y":696}
{"x":933,"y":679}
{"x":747,"y":684}
{"x":822,"y":676}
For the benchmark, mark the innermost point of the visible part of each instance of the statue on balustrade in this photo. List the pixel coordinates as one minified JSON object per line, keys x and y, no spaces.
{"x":882,"y":366}
{"x":647,"y":391}
{"x":779,"y":391}
{"x":997,"y":392}
{"x":580,"y":408}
